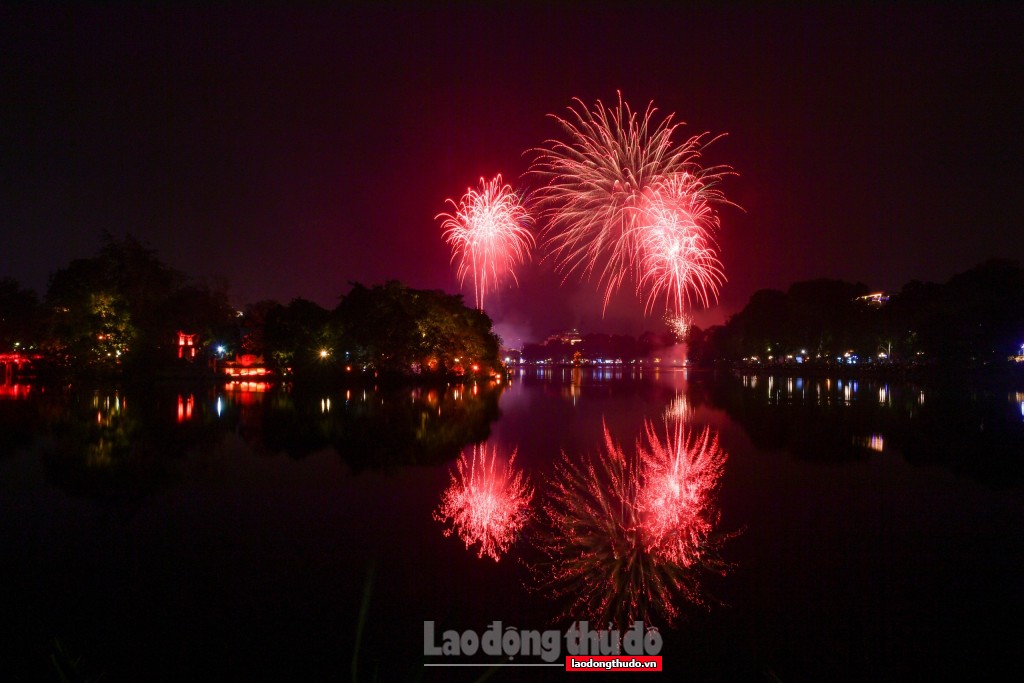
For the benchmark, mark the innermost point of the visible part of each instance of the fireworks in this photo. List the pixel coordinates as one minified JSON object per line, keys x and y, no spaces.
{"x":629,"y":534}
{"x":679,"y":409}
{"x":487,"y":502}
{"x":680,"y":324}
{"x":622,"y":199}
{"x":675,"y":245}
{"x":676,"y":502}
{"x":489,"y":234}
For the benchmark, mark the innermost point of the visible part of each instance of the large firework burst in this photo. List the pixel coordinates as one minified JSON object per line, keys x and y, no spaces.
{"x":489,"y":233}
{"x":630,"y":534}
{"x":618,"y":174}
{"x":487,"y":502}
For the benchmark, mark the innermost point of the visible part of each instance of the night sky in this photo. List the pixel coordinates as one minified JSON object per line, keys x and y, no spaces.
{"x":288,"y":152}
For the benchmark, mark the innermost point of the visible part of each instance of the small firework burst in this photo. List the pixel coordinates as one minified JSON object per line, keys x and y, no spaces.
{"x":487,"y":502}
{"x":489,"y":234}
{"x":679,"y":324}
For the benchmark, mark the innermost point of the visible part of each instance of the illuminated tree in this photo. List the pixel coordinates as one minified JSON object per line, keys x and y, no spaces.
{"x":395,"y":328}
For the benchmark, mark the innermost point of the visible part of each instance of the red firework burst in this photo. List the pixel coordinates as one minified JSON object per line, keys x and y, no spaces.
{"x":489,"y":234}
{"x":675,"y":245}
{"x":619,"y":174}
{"x":487,"y":502}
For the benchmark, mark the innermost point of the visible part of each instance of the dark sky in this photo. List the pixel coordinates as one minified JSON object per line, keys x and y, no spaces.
{"x":289,"y":151}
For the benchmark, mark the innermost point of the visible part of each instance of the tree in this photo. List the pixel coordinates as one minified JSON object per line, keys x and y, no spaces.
{"x":122,"y":308}
{"x":397,"y":329}
{"x":298,"y":334}
{"x":20,"y":317}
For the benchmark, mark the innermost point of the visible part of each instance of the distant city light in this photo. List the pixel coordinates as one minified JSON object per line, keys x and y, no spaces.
{"x":875,"y":442}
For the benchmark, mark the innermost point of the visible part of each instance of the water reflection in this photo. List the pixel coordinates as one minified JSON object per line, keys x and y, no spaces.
{"x":487,"y":502}
{"x":14,"y":390}
{"x":369,"y":427}
{"x":111,"y":436}
{"x":185,"y":407}
{"x":107,"y":446}
{"x":874,"y":442}
{"x":629,"y":535}
{"x":964,"y":424}
{"x":679,"y":409}
{"x":128,"y":443}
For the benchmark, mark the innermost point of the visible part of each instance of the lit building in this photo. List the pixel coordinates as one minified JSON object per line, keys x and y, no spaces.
{"x":13,"y":365}
{"x":572,"y":337}
{"x":246,"y":365}
{"x":874,"y":299}
{"x":187,"y":345}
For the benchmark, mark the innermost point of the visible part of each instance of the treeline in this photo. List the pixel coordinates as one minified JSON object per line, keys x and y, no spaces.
{"x":122,"y":310}
{"x":975,"y":319}
{"x":596,"y":347}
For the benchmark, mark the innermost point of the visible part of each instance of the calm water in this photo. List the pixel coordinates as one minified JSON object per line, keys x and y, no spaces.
{"x":771,"y":528}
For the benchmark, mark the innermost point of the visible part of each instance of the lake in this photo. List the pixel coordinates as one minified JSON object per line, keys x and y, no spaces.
{"x":769,"y":527}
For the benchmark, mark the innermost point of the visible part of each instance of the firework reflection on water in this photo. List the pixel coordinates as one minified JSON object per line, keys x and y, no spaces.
{"x":630,"y":535}
{"x":487,"y":502}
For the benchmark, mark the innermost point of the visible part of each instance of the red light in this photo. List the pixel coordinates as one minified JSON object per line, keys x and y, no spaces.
{"x":487,"y":502}
{"x":489,"y":234}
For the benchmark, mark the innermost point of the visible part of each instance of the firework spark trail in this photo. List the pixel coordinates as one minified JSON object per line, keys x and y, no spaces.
{"x":630,"y":534}
{"x":487,"y":502}
{"x":602,"y":187}
{"x":489,"y":233}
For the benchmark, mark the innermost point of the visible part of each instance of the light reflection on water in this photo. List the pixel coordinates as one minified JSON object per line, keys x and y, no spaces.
{"x":487,"y":503}
{"x":15,"y":391}
{"x":624,"y":529}
{"x":809,"y":529}
{"x":827,"y":391}
{"x":628,"y":533}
